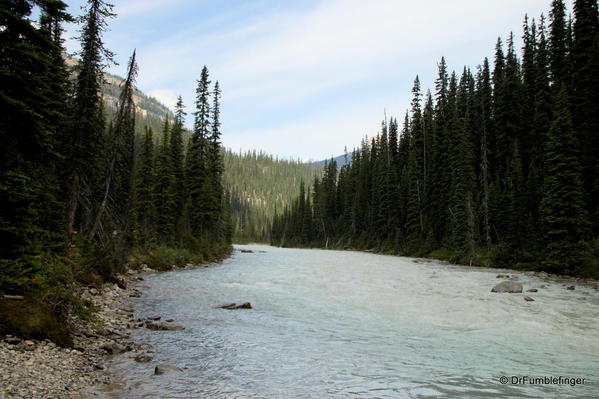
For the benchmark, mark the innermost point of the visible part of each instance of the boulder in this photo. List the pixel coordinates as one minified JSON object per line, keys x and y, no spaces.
{"x":165,"y":368}
{"x":247,"y":251}
{"x":233,"y":306}
{"x":12,"y":340}
{"x":502,"y":276}
{"x":571,"y":288}
{"x":151,"y":325}
{"x":113,"y":349}
{"x":532,"y":290}
{"x":508,"y":286}
{"x":528,"y":299}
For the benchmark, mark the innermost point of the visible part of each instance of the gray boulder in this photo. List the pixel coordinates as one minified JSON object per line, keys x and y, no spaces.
{"x":113,"y":349}
{"x":511,"y":287}
{"x":528,"y":299}
{"x":232,"y":306}
{"x":166,"y":368}
{"x":156,"y":326}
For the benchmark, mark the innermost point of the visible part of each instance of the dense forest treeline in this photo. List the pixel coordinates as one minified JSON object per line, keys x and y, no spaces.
{"x":259,"y":185}
{"x":498,"y":166}
{"x":80,"y":196}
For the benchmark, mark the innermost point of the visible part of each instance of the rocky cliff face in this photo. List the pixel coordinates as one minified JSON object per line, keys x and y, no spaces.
{"x":150,"y":111}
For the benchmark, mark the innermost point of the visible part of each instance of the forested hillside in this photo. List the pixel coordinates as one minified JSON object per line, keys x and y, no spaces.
{"x":78,"y":201}
{"x":259,"y":185}
{"x":499,"y":165}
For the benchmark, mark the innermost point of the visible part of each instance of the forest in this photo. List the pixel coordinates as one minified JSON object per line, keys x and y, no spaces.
{"x":497,"y":166}
{"x":259,"y":185}
{"x":82,"y":197}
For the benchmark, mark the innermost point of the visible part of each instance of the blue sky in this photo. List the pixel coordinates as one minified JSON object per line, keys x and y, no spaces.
{"x":304,"y":78}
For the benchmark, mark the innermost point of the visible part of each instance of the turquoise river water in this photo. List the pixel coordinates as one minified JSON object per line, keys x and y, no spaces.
{"x":340,"y":324}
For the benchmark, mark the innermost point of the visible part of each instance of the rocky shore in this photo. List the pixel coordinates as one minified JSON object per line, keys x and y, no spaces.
{"x":31,"y":369}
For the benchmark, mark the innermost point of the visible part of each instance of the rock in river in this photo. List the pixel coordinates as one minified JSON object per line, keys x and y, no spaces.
{"x":528,"y":299}
{"x":165,"y":368}
{"x":232,"y":306}
{"x":508,"y":286}
{"x":163,"y":326}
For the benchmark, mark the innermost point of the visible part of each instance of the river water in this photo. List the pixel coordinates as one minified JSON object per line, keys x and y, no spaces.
{"x":336,"y":324}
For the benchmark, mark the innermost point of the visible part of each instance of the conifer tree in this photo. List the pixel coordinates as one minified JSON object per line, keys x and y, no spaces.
{"x":565,"y":218}
{"x":85,"y":150}
{"x":144,"y":190}
{"x":585,"y":97}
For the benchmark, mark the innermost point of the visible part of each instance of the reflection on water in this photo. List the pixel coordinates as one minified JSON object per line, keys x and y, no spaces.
{"x":332,"y":324}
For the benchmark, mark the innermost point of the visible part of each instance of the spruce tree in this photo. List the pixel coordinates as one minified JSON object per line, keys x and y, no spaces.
{"x":565,"y":219}
{"x":585,"y":97}
{"x":85,"y":148}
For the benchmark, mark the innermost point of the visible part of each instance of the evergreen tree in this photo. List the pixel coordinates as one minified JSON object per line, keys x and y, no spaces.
{"x":32,"y":89}
{"x":85,"y":148}
{"x":144,"y":190}
{"x":563,"y":210}
{"x":585,"y":97}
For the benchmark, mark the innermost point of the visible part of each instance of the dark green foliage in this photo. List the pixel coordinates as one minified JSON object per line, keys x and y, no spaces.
{"x":259,"y":185}
{"x":565,"y":219}
{"x":32,"y":96}
{"x":75,"y":197}
{"x":501,"y":168}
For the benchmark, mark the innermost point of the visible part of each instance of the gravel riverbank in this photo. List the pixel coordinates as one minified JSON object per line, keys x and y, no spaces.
{"x":31,"y":369}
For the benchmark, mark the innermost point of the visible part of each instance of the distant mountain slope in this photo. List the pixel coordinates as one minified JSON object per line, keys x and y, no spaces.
{"x":150,"y":111}
{"x":259,"y":184}
{"x":341,"y":161}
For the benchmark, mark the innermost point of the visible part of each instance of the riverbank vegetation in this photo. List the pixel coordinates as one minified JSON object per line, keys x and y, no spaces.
{"x":499,"y":166}
{"x":81,"y":195}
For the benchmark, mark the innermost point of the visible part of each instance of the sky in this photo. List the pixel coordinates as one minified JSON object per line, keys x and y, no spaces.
{"x":303,"y":79}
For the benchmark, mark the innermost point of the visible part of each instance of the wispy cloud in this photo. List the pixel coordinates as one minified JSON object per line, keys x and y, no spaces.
{"x":319,"y":69}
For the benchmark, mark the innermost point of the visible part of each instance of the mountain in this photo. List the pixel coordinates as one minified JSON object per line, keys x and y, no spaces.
{"x":260,"y":185}
{"x":149,"y":111}
{"x":341,"y":160}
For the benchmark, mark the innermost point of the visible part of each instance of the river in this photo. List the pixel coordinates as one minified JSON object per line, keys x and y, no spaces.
{"x":340,"y":324}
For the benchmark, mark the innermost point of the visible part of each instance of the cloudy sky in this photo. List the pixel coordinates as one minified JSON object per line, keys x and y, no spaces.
{"x":304,"y":78}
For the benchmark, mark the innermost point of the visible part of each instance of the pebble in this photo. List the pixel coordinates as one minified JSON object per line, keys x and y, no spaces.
{"x":32,"y":369}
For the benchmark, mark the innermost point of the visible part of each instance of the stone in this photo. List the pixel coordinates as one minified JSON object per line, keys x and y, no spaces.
{"x":232,"y":306}
{"x":528,"y":299}
{"x":571,"y":288}
{"x":508,"y":287}
{"x":29,"y":343}
{"x":502,"y":276}
{"x":532,"y":290}
{"x":12,"y":340}
{"x":164,"y":326}
{"x":155,"y":318}
{"x":170,"y":320}
{"x":113,"y":349}
{"x":143,"y":358}
{"x":247,"y":251}
{"x":165,"y":368}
